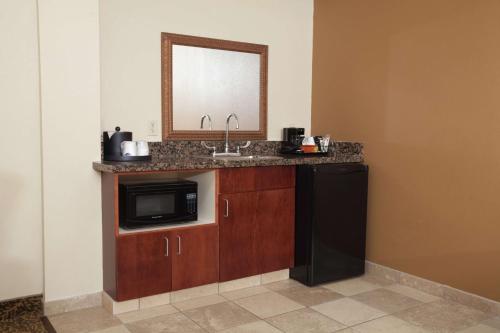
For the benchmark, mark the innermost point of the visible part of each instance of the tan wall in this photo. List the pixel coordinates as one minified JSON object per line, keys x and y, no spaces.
{"x":418,"y":82}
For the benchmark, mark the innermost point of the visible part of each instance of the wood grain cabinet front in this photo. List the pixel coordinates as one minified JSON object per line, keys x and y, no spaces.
{"x":257,"y":221}
{"x":254,"y":235}
{"x":143,"y":265}
{"x":275,"y":229}
{"x":195,"y":257}
{"x":238,"y":251}
{"x":153,"y":263}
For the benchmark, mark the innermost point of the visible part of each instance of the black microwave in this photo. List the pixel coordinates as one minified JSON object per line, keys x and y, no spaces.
{"x":155,"y":203}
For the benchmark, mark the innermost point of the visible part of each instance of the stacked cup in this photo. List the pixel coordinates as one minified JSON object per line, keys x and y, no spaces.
{"x":135,"y":148}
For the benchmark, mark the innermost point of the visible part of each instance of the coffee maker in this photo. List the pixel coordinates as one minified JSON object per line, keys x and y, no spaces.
{"x":292,"y":139}
{"x":112,"y":147}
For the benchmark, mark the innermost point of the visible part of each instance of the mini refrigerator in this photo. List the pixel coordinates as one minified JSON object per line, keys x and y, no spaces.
{"x":330,"y":222}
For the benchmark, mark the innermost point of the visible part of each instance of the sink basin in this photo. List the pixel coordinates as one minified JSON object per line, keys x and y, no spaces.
{"x":241,"y":158}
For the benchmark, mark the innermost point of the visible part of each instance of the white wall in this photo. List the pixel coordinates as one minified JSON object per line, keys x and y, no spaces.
{"x":64,"y":84}
{"x":69,"y":63}
{"x":131,"y":66}
{"x":21,"y":268}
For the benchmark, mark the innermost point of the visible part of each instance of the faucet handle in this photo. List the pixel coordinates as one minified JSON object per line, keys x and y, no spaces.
{"x":204,"y":144}
{"x":246,"y":145}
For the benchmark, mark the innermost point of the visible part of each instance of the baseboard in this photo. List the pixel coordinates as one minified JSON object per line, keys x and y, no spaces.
{"x":434,"y":288}
{"x":72,"y":304}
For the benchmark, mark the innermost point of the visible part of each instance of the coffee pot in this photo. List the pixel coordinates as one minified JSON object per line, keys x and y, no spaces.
{"x":292,"y":139}
{"x":112,"y":142}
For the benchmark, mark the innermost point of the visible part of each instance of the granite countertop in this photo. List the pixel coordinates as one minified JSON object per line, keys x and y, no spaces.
{"x":196,"y":162}
{"x":190,"y":155}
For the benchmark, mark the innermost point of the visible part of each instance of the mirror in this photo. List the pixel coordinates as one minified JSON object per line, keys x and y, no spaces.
{"x":216,"y":77}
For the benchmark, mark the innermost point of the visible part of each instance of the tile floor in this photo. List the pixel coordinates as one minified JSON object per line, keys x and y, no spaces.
{"x":360,"y":305}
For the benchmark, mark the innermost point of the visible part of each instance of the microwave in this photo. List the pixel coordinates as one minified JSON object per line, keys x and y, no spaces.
{"x":157,"y":203}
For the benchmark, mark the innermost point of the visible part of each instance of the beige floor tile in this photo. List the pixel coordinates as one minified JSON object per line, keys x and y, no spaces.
{"x":493,"y":322}
{"x":413,"y":293}
{"x":255,"y":327}
{"x":220,"y":316}
{"x":173,"y":323}
{"x":305,"y":321}
{"x":155,"y":300}
{"x":72,"y":304}
{"x":285,"y":284}
{"x":351,"y":287}
{"x":480,"y":329}
{"x":247,"y":282}
{"x":442,"y":316}
{"x":245,"y":292}
{"x":156,"y":311}
{"x":271,"y":277}
{"x":386,"y":300}
{"x":310,"y":296}
{"x":377,"y":279}
{"x":387,"y":324}
{"x":114,"y":329}
{"x":268,"y":304}
{"x":199,"y":302}
{"x":82,"y":321}
{"x":190,"y":293}
{"x":119,"y":307}
{"x":348,"y":311}
{"x":346,"y":330}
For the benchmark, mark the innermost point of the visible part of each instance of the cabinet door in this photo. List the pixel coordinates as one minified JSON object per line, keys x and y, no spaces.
{"x":143,"y":265}
{"x":235,"y":180}
{"x":237,"y":253}
{"x":275,"y":229}
{"x":195,"y":256}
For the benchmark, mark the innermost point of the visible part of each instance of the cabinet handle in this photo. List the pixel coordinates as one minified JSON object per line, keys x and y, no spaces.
{"x":226,"y":213}
{"x":166,"y":247}
{"x":179,"y":248}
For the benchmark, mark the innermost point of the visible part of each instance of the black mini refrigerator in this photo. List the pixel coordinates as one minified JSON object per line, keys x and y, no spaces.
{"x":330,"y":222}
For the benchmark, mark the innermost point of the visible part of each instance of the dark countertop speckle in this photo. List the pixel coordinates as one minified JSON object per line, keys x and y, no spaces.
{"x":196,"y":162}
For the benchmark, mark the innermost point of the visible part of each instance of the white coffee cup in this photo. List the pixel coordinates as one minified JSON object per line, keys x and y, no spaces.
{"x":308,"y":141}
{"x":129,"y":148}
{"x":142,"y":148}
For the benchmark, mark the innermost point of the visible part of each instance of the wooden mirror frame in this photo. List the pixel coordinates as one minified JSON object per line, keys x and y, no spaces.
{"x":167,"y":41}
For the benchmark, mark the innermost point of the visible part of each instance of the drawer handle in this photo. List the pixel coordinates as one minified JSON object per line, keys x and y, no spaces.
{"x":166,"y":247}
{"x":179,"y":248}
{"x":226,"y":213}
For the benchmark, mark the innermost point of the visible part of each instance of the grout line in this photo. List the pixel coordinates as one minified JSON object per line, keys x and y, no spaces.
{"x":185,"y":315}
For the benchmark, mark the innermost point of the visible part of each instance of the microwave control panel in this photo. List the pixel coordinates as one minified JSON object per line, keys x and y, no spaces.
{"x":191,"y":203}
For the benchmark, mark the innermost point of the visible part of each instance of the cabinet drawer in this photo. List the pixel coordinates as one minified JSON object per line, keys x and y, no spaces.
{"x":234,"y":180}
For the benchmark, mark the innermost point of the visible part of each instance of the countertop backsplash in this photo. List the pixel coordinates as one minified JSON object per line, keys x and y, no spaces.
{"x":178,"y":148}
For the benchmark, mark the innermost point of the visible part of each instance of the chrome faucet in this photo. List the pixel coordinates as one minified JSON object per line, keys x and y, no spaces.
{"x":209,"y":121}
{"x":203,"y":143}
{"x":226,"y":152}
{"x":226,"y":146}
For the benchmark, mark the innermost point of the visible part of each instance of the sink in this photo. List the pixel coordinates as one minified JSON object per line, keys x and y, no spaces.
{"x":241,"y":158}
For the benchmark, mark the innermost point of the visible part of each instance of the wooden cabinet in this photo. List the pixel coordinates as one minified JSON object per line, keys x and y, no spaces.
{"x":275,"y":229}
{"x":152,"y":263}
{"x":253,"y":234}
{"x":143,"y":265}
{"x":256,"y":220}
{"x":238,"y":252}
{"x":195,"y":256}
